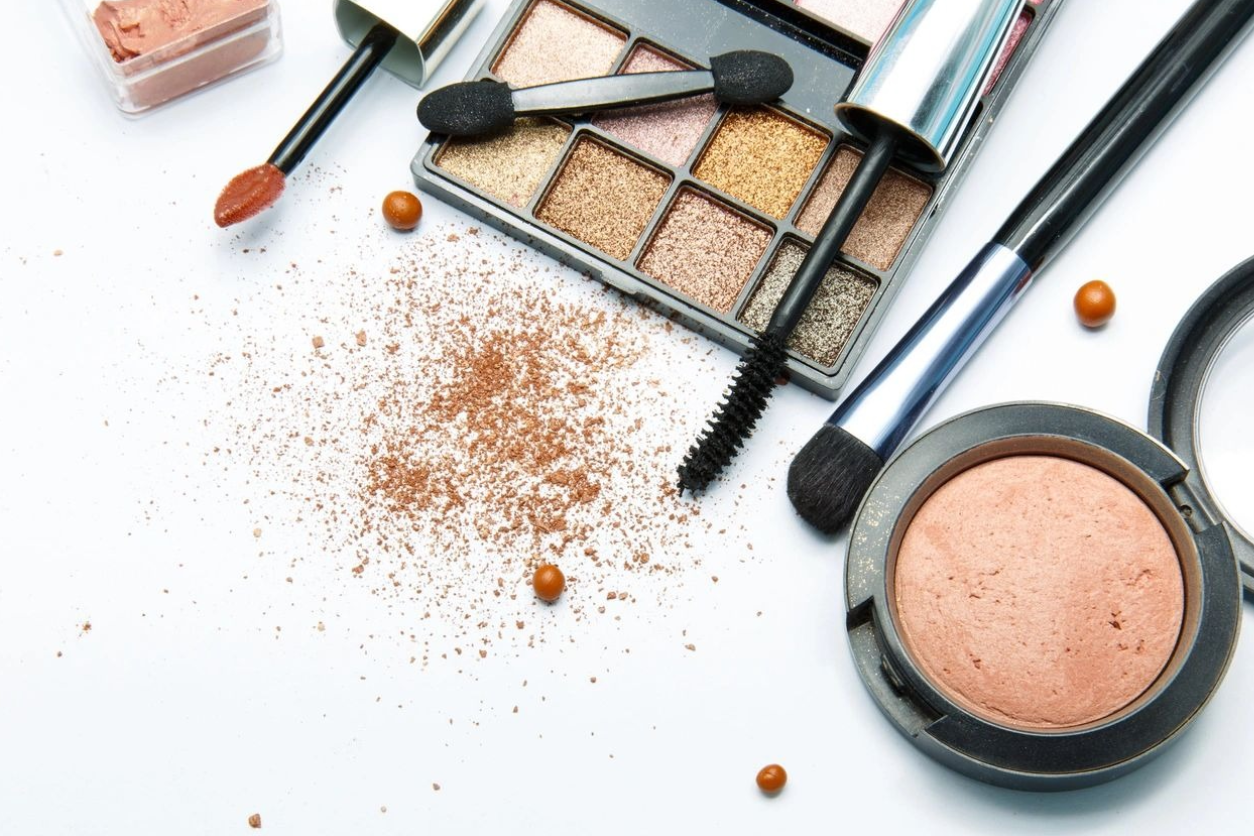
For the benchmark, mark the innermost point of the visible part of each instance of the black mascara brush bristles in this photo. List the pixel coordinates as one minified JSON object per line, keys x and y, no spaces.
{"x":737,"y":415}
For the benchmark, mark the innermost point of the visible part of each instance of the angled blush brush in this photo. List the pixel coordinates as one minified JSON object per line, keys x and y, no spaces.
{"x":910,"y":103}
{"x":473,"y":108}
{"x":831,"y":474}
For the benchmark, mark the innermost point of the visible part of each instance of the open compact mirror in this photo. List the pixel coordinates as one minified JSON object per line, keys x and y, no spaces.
{"x":1225,"y":446}
{"x":1200,"y":406}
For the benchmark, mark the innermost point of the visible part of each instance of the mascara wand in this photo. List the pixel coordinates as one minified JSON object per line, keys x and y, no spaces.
{"x":911,"y":102}
{"x":737,"y":415}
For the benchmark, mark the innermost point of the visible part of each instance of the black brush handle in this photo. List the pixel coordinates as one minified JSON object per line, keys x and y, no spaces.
{"x":374,"y":47}
{"x":1124,"y":130}
{"x":832,"y":237}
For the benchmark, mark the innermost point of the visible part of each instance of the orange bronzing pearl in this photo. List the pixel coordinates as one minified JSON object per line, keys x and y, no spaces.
{"x":402,"y":210}
{"x":771,"y":779}
{"x":549,"y":583}
{"x":1095,"y":304}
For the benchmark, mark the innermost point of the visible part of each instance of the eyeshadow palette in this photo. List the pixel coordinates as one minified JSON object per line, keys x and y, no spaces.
{"x":701,"y":210}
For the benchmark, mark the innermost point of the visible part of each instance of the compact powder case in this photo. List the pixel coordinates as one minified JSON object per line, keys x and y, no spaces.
{"x":1043,"y":597}
{"x":703,"y":211}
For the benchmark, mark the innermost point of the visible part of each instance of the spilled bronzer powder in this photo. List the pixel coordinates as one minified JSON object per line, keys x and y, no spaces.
{"x":1039,"y":592}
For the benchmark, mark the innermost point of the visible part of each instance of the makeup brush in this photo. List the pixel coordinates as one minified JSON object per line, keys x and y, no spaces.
{"x":911,"y":102}
{"x":472,"y":108}
{"x":257,"y":189}
{"x":832,"y":473}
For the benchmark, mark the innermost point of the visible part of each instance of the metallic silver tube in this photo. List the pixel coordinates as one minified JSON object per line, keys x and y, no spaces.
{"x":885,"y":408}
{"x":926,"y":74}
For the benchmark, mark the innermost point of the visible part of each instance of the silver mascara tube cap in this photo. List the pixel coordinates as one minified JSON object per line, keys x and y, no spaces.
{"x":924,"y":77}
{"x":428,"y":29}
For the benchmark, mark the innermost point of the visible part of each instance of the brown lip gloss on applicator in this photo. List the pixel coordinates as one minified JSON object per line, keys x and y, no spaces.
{"x":377,"y":43}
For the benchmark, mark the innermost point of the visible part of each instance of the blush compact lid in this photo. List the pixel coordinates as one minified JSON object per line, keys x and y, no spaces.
{"x":1043,"y":597}
{"x":1212,"y":343}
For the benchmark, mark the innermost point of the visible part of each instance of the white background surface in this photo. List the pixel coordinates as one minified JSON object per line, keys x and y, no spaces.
{"x":181,"y":713}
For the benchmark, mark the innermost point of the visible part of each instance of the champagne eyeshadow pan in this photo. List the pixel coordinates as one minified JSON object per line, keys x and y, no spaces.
{"x":701,"y":210}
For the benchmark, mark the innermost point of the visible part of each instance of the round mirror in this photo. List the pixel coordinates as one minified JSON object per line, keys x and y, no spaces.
{"x":1225,"y":428}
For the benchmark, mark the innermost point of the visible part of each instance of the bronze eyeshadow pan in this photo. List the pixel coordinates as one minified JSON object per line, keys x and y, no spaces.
{"x":699,"y":210}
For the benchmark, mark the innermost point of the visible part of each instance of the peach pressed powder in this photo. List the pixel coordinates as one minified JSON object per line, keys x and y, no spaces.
{"x":1039,"y":592}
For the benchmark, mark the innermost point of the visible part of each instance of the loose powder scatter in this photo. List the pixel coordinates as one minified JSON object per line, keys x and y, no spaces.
{"x":603,"y":198}
{"x":318,"y":342}
{"x":762,"y":157}
{"x":668,"y":131}
{"x":510,"y":165}
{"x":524,"y":420}
{"x":832,"y":315}
{"x":1039,"y":592}
{"x":254,"y":821}
{"x":555,"y":43}
{"x":361,"y":338}
{"x":886,"y":222}
{"x":705,"y":250}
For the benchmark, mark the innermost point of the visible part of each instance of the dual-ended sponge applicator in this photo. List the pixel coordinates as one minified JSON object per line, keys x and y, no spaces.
{"x":473,"y":108}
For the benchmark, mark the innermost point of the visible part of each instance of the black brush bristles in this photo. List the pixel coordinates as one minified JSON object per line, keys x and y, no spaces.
{"x":737,"y":415}
{"x":829,"y":477}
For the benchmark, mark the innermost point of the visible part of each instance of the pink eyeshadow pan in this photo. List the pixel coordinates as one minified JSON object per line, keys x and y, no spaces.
{"x":865,"y":18}
{"x":705,"y":250}
{"x":1016,"y":37}
{"x":1039,"y":592}
{"x":667,"y":131}
{"x":555,"y":43}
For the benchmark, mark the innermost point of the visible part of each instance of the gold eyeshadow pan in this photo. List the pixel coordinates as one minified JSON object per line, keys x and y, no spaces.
{"x":700,"y":210}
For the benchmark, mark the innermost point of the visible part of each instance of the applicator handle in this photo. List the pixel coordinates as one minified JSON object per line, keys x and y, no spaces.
{"x":1086,"y":174}
{"x":374,"y":47}
{"x":627,"y":90}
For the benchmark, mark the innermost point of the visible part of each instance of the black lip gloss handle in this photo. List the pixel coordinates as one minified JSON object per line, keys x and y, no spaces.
{"x":1117,"y":137}
{"x":374,"y":47}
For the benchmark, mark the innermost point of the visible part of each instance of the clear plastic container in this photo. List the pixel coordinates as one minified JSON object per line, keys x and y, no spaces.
{"x":150,"y":52}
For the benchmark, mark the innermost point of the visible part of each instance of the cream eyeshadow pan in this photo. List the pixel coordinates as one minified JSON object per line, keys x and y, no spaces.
{"x":702,"y":210}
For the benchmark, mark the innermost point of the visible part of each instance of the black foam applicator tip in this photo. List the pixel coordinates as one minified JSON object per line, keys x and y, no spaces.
{"x":471,"y":108}
{"x":747,"y":77}
{"x":829,"y":477}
